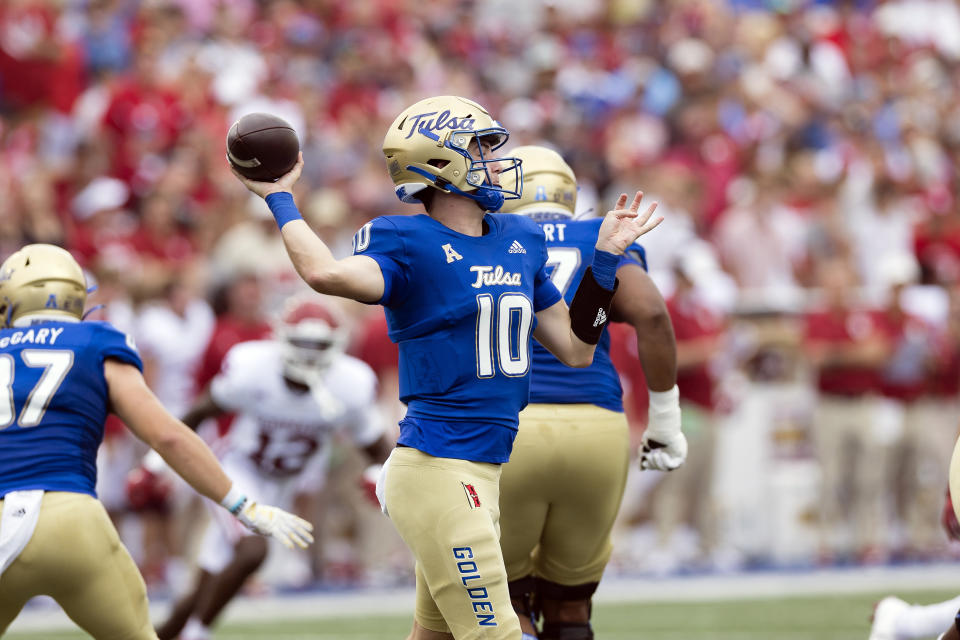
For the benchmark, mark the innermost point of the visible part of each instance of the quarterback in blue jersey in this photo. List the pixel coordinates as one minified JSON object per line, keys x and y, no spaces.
{"x":59,"y":378}
{"x":556,"y":527}
{"x":464,"y":289}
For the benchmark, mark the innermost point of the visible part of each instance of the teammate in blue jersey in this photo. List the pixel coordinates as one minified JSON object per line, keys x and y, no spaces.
{"x":58,"y":379}
{"x":463,"y":289}
{"x":556,"y":527}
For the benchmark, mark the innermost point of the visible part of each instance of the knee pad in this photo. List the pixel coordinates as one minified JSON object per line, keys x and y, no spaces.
{"x":562,"y":592}
{"x":566,"y":631}
{"x":551,"y":595}
{"x":525,"y":590}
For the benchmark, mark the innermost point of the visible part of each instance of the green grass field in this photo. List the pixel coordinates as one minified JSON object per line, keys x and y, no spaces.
{"x":834,"y":617}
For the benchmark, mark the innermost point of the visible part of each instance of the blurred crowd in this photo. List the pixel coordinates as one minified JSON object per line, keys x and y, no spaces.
{"x":804,"y":155}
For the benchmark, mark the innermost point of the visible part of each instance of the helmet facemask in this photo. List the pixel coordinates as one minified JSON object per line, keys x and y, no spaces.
{"x":487,"y":193}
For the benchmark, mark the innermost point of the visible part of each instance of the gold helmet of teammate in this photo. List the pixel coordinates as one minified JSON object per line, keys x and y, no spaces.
{"x":549,"y":186}
{"x":41,"y":279}
{"x":428,"y":145}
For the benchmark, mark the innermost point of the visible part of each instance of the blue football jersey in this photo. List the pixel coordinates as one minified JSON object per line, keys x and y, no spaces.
{"x":54,"y":402}
{"x":570,"y":247}
{"x":461,"y":309}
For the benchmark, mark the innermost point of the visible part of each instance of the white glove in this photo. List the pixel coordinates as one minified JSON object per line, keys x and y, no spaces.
{"x":270,"y":521}
{"x":663,"y":447}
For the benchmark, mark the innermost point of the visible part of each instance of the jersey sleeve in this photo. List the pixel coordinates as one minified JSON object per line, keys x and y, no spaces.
{"x":545,"y":293}
{"x":231,"y":388}
{"x":635,"y":254}
{"x":112,"y":343}
{"x":380,"y":239}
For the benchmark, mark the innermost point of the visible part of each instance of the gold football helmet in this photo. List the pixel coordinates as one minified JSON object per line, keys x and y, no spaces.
{"x":41,"y":279}
{"x":549,"y":187}
{"x":428,"y":145}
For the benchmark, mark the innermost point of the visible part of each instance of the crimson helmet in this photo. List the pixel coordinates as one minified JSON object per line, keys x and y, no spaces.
{"x":313,"y":333}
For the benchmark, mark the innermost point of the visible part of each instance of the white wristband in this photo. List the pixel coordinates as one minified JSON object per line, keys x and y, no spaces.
{"x":234,"y":500}
{"x":664,"y":412}
{"x":661,"y":401}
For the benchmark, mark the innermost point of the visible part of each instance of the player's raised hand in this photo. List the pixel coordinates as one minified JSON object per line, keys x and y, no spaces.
{"x":621,"y":226}
{"x":270,"y":521}
{"x":283,"y":183}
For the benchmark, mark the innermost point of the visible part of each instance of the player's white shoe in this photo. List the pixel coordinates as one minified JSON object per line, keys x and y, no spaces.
{"x":885,"y":618}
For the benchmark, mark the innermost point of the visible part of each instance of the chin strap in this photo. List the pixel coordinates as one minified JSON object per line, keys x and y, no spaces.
{"x":490,"y":199}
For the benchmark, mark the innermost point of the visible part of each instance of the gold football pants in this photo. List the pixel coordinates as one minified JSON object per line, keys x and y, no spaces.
{"x":75,"y":556}
{"x":447,"y":512}
{"x":561,"y":491}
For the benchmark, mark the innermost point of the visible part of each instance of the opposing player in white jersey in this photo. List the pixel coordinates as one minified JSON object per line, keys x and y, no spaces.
{"x":291,"y":395}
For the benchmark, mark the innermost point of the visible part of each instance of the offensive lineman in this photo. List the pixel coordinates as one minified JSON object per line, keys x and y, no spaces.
{"x":290,"y":396}
{"x":461,"y":287}
{"x":61,"y":377}
{"x":556,"y":527}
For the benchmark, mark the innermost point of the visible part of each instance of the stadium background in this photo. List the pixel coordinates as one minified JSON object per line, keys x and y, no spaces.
{"x":797,"y":148}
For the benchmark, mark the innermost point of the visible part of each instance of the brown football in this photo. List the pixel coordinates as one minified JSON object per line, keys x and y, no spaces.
{"x":262,"y":147}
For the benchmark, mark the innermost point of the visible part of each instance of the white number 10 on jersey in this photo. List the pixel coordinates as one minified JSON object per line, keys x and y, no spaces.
{"x":509,"y":328}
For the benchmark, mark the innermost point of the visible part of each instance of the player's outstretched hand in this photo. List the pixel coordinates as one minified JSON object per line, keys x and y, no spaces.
{"x":270,"y":521}
{"x":621,"y":227}
{"x":283,"y":183}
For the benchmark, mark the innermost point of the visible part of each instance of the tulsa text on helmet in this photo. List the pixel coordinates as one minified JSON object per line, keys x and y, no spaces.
{"x":442,"y":121}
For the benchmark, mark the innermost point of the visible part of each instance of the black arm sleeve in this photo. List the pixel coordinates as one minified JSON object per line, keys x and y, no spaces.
{"x":590,"y":308}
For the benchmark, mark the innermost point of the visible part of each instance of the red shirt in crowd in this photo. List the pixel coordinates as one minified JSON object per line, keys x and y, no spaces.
{"x":694,"y":321}
{"x":840,"y":328}
{"x":907,"y":373}
{"x":37,"y":65}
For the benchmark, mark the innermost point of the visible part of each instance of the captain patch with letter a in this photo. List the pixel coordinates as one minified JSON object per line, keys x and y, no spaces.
{"x":473,"y":498}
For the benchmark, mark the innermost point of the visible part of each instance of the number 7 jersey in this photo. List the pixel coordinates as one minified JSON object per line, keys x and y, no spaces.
{"x":53,"y":403}
{"x":461,"y":309}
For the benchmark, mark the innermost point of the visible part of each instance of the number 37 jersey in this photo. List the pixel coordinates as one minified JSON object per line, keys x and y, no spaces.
{"x":461,"y":309}
{"x":53,"y":402}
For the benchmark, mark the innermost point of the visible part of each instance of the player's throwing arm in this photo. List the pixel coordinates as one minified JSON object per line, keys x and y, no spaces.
{"x":355,"y":277}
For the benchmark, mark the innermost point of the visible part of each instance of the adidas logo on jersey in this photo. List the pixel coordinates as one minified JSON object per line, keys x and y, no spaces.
{"x":516,"y":247}
{"x":494,"y":276}
{"x":601,"y":318}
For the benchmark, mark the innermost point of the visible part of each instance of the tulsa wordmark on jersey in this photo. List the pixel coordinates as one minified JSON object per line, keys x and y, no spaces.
{"x":463,"y":330}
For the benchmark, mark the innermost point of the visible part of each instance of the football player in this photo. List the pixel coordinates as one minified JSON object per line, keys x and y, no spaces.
{"x":290,"y":396}
{"x":555,"y":528}
{"x":464,"y":288}
{"x":60,"y":377}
